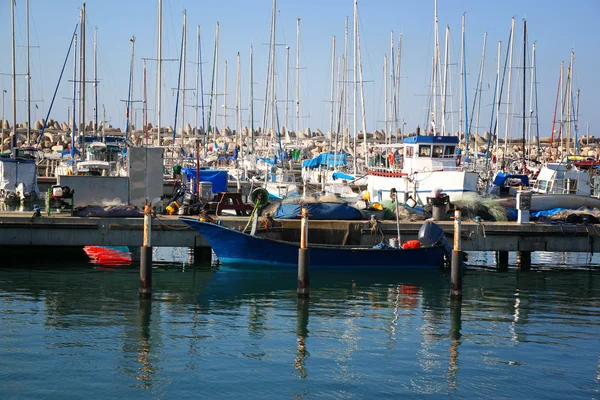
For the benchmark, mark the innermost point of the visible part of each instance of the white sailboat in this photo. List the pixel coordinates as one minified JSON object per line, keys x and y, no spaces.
{"x":18,"y":172}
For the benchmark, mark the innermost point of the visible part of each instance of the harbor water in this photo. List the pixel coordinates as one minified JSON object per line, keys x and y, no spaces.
{"x":81,"y":331}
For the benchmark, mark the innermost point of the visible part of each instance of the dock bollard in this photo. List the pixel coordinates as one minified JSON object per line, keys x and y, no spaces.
{"x":304,"y":257}
{"x":146,"y":256}
{"x":457,"y":260}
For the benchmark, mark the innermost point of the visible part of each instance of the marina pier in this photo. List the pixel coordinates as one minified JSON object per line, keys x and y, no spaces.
{"x":60,"y":229}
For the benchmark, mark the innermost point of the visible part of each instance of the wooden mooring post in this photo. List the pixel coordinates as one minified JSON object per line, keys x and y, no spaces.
{"x":304,"y":258}
{"x":146,"y":256}
{"x":457,"y":260}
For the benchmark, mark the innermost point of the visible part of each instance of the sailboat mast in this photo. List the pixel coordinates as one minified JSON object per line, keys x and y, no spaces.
{"x":345,"y":87}
{"x":13,"y":142}
{"x":362,"y":99}
{"x":497,"y":101}
{"x":74,"y":124}
{"x":159,"y":71}
{"x":28,"y":76}
{"x":355,"y":71}
{"x":198,"y":94}
{"x":397,"y":101}
{"x":445,"y":84}
{"x":572,"y":65}
{"x":251,"y":100}
{"x":216,"y":77}
{"x":96,"y":81}
{"x":183,"y":66}
{"x":480,"y":83}
{"x":297,"y":78}
{"x":562,"y":109}
{"x":224,"y":96}
{"x":199,"y":85}
{"x":287,"y":86}
{"x":129,"y":102}
{"x":462,"y":130}
{"x":83,"y":150}
{"x":531,"y":95}
{"x":512,"y":35}
{"x":144,"y":108}
{"x":212,"y":89}
{"x":273,"y":82}
{"x":434,"y":81}
{"x":389,"y":107}
{"x":385,"y":97}
{"x":524,"y":81}
{"x":238,"y":99}
{"x":331,"y":127}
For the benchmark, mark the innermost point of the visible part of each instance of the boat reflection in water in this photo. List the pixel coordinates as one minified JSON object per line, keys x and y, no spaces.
{"x":245,"y":333}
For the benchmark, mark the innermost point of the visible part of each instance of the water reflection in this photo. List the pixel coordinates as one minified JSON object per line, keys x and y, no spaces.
{"x":146,"y":370}
{"x":370,"y":335}
{"x":301,"y":334}
{"x":455,"y":327}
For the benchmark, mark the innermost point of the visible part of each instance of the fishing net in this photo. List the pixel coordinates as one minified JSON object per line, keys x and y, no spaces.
{"x":487,"y":208}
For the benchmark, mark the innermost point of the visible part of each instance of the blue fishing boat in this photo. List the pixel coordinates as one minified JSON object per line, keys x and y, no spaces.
{"x":238,"y":248}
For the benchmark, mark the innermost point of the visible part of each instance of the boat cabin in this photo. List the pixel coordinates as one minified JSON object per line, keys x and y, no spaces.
{"x":432,"y":153}
{"x":559,"y":178}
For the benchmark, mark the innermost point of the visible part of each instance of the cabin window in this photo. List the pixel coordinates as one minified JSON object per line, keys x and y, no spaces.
{"x":424,"y":151}
{"x":409,"y":152}
{"x":449,"y":151}
{"x":542,"y":185}
{"x":438,"y":150}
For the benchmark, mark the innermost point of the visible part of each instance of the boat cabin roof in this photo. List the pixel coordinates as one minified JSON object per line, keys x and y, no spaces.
{"x":431,"y":140}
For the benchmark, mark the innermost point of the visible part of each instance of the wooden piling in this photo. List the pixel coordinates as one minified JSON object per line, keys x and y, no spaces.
{"x":146,"y":256}
{"x":457,"y":259}
{"x":304,"y":258}
{"x":502,"y":260}
{"x":202,"y":255}
{"x":524,"y":260}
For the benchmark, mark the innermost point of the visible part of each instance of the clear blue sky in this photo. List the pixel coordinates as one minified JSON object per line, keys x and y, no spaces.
{"x":556,"y":30}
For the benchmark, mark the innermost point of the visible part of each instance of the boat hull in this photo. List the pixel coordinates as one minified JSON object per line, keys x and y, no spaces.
{"x":542,"y":202}
{"x":236,"y":248}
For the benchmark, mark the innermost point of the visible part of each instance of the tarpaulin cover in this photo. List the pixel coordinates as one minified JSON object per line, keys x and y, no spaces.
{"x":546,"y":213}
{"x":110,"y":211}
{"x":341,"y":175}
{"x":501,"y":178}
{"x":326,"y":159}
{"x":319,"y":211}
{"x":216,"y":176}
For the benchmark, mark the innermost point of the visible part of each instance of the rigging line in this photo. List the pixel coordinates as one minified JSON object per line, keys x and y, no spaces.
{"x":57,"y":85}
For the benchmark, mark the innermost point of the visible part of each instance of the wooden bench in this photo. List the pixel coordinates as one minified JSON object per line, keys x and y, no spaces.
{"x":229,"y":201}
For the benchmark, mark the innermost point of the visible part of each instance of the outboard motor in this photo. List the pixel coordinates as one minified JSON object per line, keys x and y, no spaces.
{"x":432,"y":234}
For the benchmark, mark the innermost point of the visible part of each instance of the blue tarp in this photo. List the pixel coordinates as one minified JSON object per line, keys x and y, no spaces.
{"x":341,"y":175}
{"x":325,"y":159}
{"x":319,"y":211}
{"x":268,"y":160}
{"x":546,"y":213}
{"x":217,"y":177}
{"x":501,"y":178}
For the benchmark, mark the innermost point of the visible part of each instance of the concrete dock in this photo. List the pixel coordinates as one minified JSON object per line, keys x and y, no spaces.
{"x":60,"y":229}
